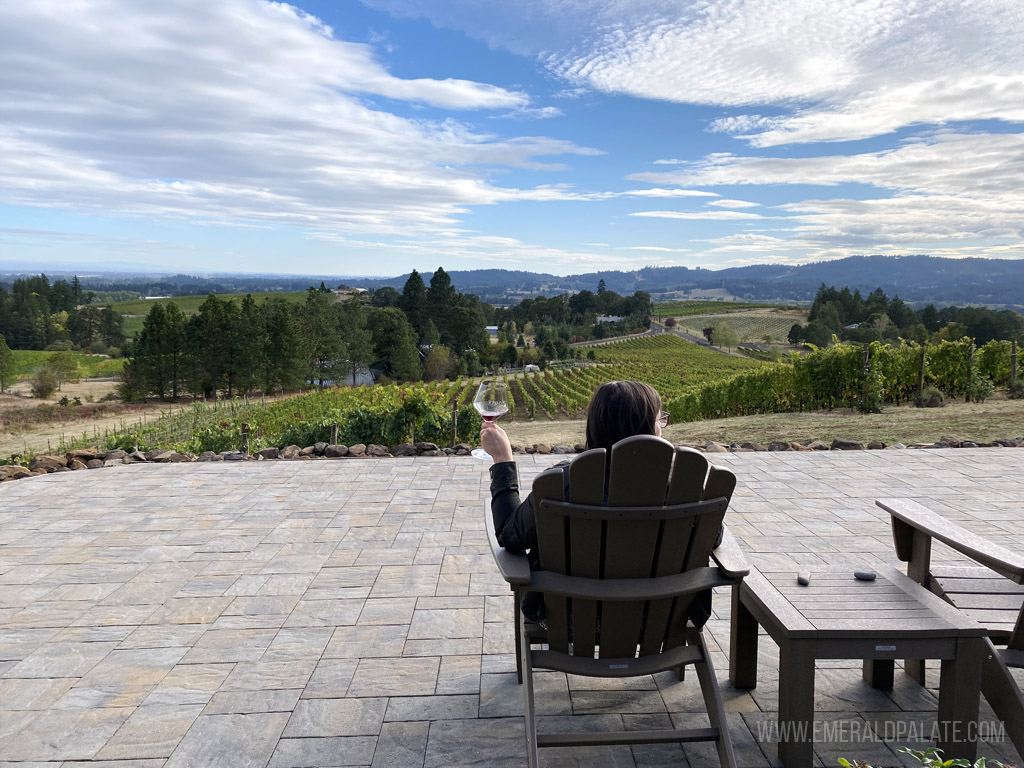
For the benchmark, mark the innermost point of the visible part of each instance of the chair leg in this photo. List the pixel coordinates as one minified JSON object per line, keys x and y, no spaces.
{"x":517,"y":614}
{"x":999,"y":687}
{"x":713,"y":700}
{"x":530,"y":718}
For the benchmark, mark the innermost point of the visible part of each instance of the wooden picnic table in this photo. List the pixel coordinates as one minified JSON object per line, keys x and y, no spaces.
{"x":840,"y":617}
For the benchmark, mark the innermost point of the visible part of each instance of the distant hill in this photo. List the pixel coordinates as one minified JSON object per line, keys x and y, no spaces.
{"x":917,"y":279}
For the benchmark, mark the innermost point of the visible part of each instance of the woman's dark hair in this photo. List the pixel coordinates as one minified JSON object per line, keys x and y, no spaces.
{"x":621,"y":409}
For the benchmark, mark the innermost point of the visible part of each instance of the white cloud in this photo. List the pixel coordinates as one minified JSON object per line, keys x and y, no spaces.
{"x":237,"y":110}
{"x":845,"y":69}
{"x":657,"y":249}
{"x":734,"y":203}
{"x":698,"y":215}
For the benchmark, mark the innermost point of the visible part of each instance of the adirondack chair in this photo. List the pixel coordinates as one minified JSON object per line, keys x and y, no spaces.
{"x":620,"y":565}
{"x":992,"y":595}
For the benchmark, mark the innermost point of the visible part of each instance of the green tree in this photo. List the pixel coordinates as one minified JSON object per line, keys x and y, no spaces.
{"x":442,"y":300}
{"x":385,"y":296}
{"x":7,"y":364}
{"x":65,"y":367}
{"x":430,"y":334}
{"x":393,"y":344}
{"x":356,"y":338}
{"x":321,"y":341}
{"x":282,"y":362}
{"x":414,"y":303}
{"x":45,"y":383}
{"x":111,"y":327}
{"x":252,"y":340}
{"x":725,"y":336}
{"x":438,"y":363}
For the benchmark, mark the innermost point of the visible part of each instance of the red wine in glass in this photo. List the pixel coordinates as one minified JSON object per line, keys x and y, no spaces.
{"x":491,"y":402}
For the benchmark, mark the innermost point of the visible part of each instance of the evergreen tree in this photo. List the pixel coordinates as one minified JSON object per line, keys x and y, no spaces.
{"x":414,"y":303}
{"x":355,"y":337}
{"x":321,"y":341}
{"x":252,"y":340}
{"x":7,"y":365}
{"x":282,"y":362}
{"x":111,"y":327}
{"x":393,"y":344}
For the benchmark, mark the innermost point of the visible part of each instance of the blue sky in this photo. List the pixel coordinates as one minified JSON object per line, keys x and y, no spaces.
{"x":561,"y":136}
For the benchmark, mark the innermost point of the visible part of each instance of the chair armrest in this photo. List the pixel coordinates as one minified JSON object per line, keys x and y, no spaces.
{"x":514,"y":567}
{"x":729,"y":558}
{"x":920,"y":518}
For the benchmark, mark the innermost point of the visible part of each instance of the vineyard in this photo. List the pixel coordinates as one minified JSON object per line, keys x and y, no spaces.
{"x":27,"y":362}
{"x":391,"y":414}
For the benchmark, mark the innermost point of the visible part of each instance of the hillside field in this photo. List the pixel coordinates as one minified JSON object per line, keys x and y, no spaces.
{"x":136,"y":310}
{"x":749,"y":324}
{"x":28,"y":361}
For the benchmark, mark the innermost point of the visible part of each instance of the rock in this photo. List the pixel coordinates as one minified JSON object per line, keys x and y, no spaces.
{"x":209,"y":456}
{"x":464,"y":447}
{"x":268,"y":453}
{"x":289,"y":452}
{"x":320,"y":448}
{"x":942,"y":444}
{"x":448,"y":451}
{"x":115,"y":455}
{"x":737,"y":448}
{"x":178,"y":458}
{"x":335,"y":451}
{"x":112,"y":462}
{"x":62,"y":469}
{"x":562,"y":449}
{"x":954,"y":441}
{"x":795,"y":446}
{"x":39,"y":471}
{"x":753,"y":446}
{"x":47,"y":462}
{"x":76,"y":464}
{"x":309,"y":450}
{"x":426,"y":447}
{"x":530,"y":449}
{"x":542,"y":448}
{"x":817,"y":445}
{"x":921,"y":445}
{"x":968,"y":444}
{"x":460,"y":451}
{"x":840,"y":444}
{"x":404,"y":449}
{"x":433,"y":453}
{"x":876,"y":445}
{"x":518,"y":449}
{"x":84,"y":454}
{"x":158,"y":454}
{"x":778,"y":445}
{"x":137,"y":456}
{"x":233,"y":456}
{"x":359,"y":449}
{"x":898,"y":446}
{"x":579,"y":447}
{"x":94,"y":463}
{"x":377,"y":450}
{"x":1003,"y":442}
{"x":14,"y":472}
{"x":714,"y":447}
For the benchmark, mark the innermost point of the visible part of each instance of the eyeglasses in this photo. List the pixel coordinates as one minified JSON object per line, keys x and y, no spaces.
{"x":663,"y":419}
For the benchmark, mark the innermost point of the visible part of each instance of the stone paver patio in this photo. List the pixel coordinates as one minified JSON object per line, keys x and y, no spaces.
{"x":347,"y":613}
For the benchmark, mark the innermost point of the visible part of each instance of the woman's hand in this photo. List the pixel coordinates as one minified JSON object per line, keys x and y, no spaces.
{"x":494,"y":440}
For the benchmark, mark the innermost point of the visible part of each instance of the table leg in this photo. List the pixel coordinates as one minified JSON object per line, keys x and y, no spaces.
{"x":959,"y":692}
{"x":796,"y":703}
{"x":742,"y":644}
{"x":879,"y":673}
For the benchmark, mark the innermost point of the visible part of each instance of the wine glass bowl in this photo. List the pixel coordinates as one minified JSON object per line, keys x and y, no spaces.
{"x":491,"y":402}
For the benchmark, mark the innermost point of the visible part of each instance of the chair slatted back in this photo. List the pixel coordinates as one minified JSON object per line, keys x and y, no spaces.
{"x":649,"y":480}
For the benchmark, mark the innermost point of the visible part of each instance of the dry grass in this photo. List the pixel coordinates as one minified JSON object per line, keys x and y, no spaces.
{"x":996,"y":418}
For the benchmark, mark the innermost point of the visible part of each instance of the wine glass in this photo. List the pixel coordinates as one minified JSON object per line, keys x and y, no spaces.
{"x":491,"y":401}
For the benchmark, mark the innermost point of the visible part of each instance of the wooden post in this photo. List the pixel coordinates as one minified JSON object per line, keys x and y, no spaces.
{"x":334,"y":434}
{"x":1013,"y":364}
{"x":455,"y":423}
{"x":970,"y":371}
{"x":920,"y":371}
{"x":245,"y":439}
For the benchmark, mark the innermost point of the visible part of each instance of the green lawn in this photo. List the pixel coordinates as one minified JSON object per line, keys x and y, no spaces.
{"x":28,"y":361}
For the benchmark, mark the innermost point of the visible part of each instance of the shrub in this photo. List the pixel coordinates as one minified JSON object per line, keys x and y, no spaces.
{"x":1016,"y":392}
{"x":44,"y":384}
{"x":979,"y":387}
{"x":930,"y":397}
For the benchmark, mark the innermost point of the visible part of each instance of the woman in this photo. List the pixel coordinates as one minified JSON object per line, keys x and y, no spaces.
{"x":619,"y":409}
